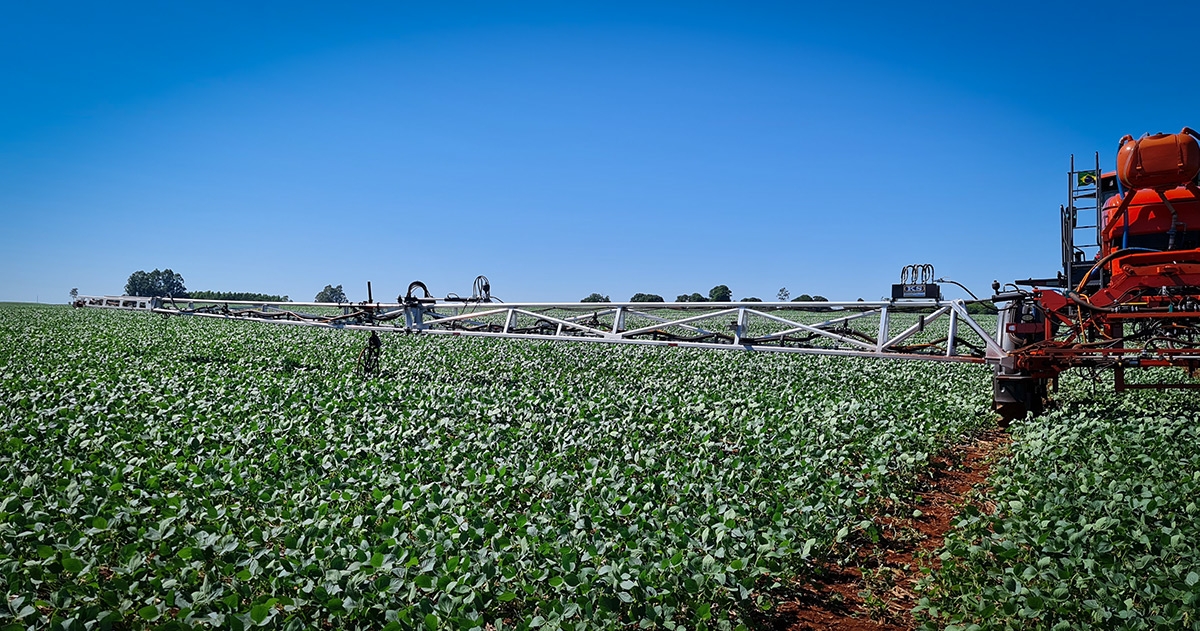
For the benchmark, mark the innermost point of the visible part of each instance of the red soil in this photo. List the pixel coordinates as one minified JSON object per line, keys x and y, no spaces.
{"x":835,"y":599}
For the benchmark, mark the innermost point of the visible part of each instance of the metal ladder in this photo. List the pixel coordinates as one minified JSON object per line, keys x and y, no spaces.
{"x":1083,"y":196}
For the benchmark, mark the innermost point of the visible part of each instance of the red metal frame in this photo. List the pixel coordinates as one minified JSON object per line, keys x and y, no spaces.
{"x":1156,"y":294}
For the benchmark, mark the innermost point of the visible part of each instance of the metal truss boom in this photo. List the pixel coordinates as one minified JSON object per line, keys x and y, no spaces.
{"x":922,"y":329}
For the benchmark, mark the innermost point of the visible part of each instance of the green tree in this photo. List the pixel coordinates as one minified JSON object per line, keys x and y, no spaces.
{"x":696,"y":297}
{"x":156,"y":283}
{"x":751,"y":299}
{"x":640,"y":297}
{"x":74,"y":294}
{"x":802,"y":298}
{"x":331,"y":294}
{"x":783,"y":294}
{"x":720,"y":293}
{"x":683,"y":298}
{"x":139,"y":284}
{"x":595,"y":297}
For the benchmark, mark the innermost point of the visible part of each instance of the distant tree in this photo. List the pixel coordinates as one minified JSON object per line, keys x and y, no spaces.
{"x":74,"y":294}
{"x":237,"y":295}
{"x":802,"y":298}
{"x":783,"y":295}
{"x":696,"y":297}
{"x":981,"y":308}
{"x":640,"y":297}
{"x":139,"y":284}
{"x":751,"y":299}
{"x":595,"y":297}
{"x":683,"y":298}
{"x":171,"y":284}
{"x":720,"y":293}
{"x":156,"y":283}
{"x":331,"y":294}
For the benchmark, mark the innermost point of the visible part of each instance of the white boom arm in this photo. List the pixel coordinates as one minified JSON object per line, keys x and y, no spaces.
{"x":925,"y":329}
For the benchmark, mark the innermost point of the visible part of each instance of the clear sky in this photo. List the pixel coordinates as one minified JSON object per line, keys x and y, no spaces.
{"x":563,"y":148}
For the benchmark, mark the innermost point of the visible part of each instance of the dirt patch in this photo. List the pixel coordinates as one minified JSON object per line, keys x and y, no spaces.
{"x":878,"y":593}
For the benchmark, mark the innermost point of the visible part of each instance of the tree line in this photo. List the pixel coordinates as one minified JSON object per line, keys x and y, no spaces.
{"x":167,"y":283}
{"x":720,"y":293}
{"x":237,"y":295}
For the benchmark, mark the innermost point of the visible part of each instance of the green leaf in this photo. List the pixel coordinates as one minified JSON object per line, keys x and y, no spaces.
{"x":506,"y":596}
{"x":149,"y":612}
{"x":259,"y":614}
{"x":431,"y":622}
{"x":72,"y":565}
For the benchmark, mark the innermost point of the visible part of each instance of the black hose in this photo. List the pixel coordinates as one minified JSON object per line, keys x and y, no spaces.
{"x":960,"y":285}
{"x":481,"y":289}
{"x":416,"y":284}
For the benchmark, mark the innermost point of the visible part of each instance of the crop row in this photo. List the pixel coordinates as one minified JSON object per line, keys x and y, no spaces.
{"x":1095,"y":522}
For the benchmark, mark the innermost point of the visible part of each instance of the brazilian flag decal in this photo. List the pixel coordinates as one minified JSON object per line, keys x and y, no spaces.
{"x":1086,"y":178}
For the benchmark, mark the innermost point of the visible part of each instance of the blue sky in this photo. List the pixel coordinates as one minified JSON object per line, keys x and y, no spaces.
{"x":562,"y":148}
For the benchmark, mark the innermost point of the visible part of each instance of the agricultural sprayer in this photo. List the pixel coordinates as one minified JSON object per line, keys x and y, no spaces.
{"x":1127,"y":297}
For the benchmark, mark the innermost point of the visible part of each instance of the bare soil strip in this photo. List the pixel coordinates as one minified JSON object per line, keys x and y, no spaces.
{"x":878,"y":593}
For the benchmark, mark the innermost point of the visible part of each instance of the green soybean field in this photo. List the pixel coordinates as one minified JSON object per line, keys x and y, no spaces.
{"x":193,"y":473}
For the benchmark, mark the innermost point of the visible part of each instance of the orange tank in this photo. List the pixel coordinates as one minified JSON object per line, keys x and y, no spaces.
{"x":1159,"y":161}
{"x":1150,"y":220}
